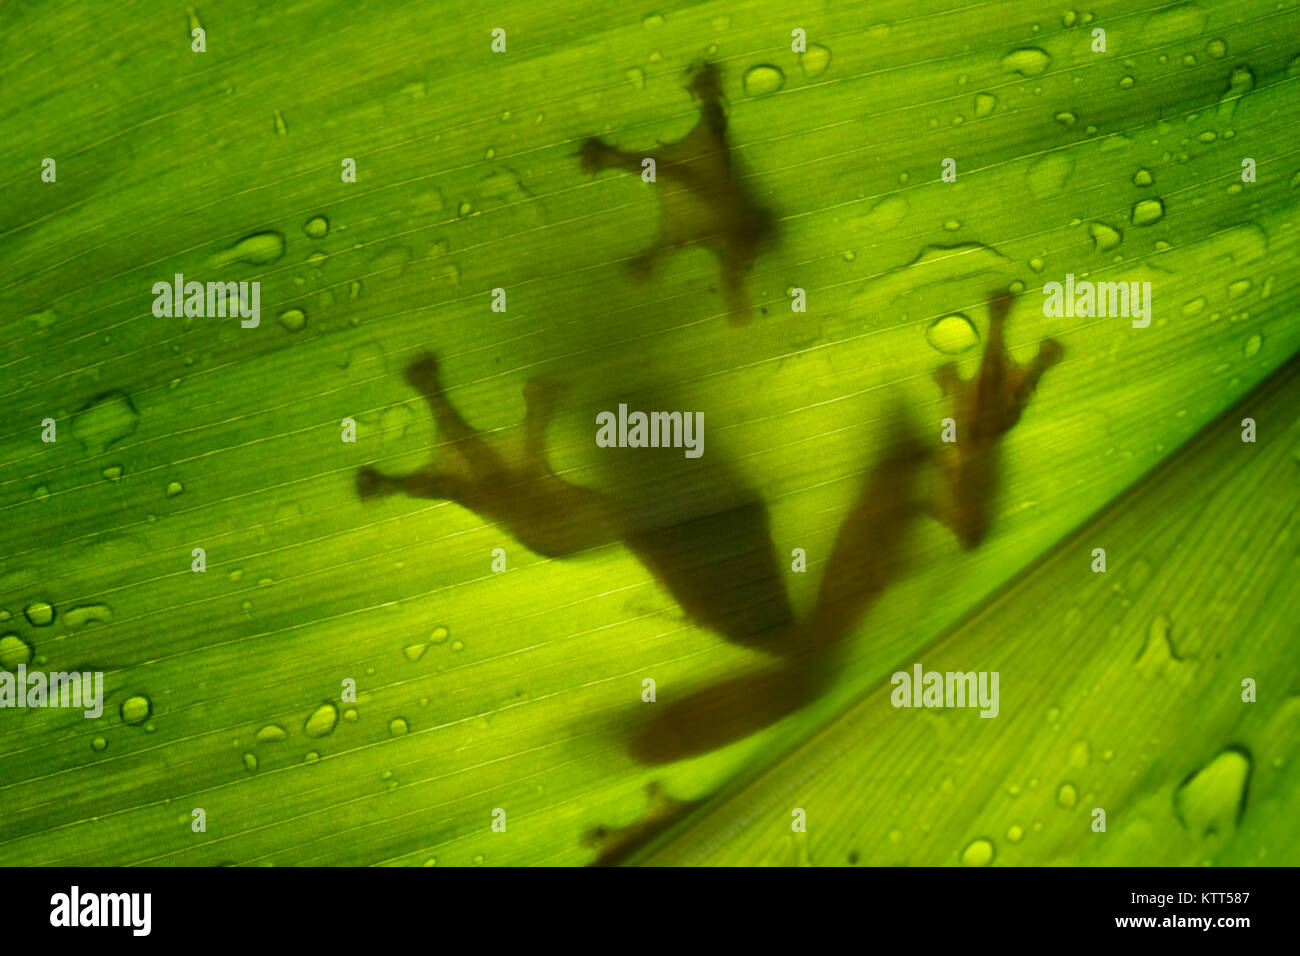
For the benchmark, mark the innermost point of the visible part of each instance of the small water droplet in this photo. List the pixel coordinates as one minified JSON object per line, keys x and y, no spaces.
{"x":397,"y":727}
{"x":1147,"y":211}
{"x":1014,"y":834}
{"x":1252,"y":346}
{"x":985,"y":103}
{"x":1066,"y":795}
{"x":99,"y":743}
{"x":1217,"y":49}
{"x":250,"y":762}
{"x":439,"y":635}
{"x":636,"y":76}
{"x":652,"y":20}
{"x":317,"y":227}
{"x":281,"y":127}
{"x":457,"y":646}
{"x":174,"y":488}
{"x":763,"y":79}
{"x":112,"y":472}
{"x":414,"y":652}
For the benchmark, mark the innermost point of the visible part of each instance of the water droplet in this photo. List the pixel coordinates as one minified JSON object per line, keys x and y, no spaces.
{"x":1142,"y":178}
{"x":106,"y":420}
{"x":1066,"y":118}
{"x":952,"y":334}
{"x":317,"y":227}
{"x":652,"y":20}
{"x":39,"y":613}
{"x":1027,"y":61}
{"x":250,"y":762}
{"x":392,"y":262}
{"x":1213,"y":798}
{"x":292,"y":320}
{"x":1126,"y":83}
{"x":1217,"y":49}
{"x":85,"y":614}
{"x":310,"y":756}
{"x":414,"y":652}
{"x":1104,"y":237}
{"x":978,"y":853}
{"x":350,"y":714}
{"x":1080,"y":753}
{"x":281,"y":127}
{"x":1240,"y":82}
{"x":1239,"y":288}
{"x":271,"y":733}
{"x":952,"y":225}
{"x":1148,"y":211}
{"x":136,"y":710}
{"x":1047,"y":175}
{"x":457,"y":646}
{"x":397,"y":726}
{"x":814,"y":60}
{"x":636,"y":76}
{"x":112,"y":472}
{"x":439,"y":635}
{"x":322,"y":721}
{"x":1014,"y":834}
{"x":259,"y":249}
{"x":174,"y":488}
{"x":99,"y":743}
{"x":763,"y":79}
{"x":1066,"y":795}
{"x":1252,"y":346}
{"x":14,"y":651}
{"x":985,"y":103}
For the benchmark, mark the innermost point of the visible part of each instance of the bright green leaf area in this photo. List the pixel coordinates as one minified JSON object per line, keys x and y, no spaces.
{"x":519,"y":690}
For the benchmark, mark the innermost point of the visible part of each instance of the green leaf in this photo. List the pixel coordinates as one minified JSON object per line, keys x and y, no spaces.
{"x":521,"y":690}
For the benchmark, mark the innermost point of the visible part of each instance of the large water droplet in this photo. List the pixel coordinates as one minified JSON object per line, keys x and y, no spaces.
{"x":136,"y":709}
{"x":39,"y":613}
{"x":14,"y":651}
{"x":1212,"y":799}
{"x":1147,"y":211}
{"x":88,"y":614}
{"x":814,"y":60}
{"x":763,"y":79}
{"x":978,"y":853}
{"x":1104,"y":237}
{"x":952,"y":334}
{"x":259,"y":249}
{"x":271,"y":733}
{"x":106,"y":420}
{"x":322,"y":721}
{"x":1027,"y":61}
